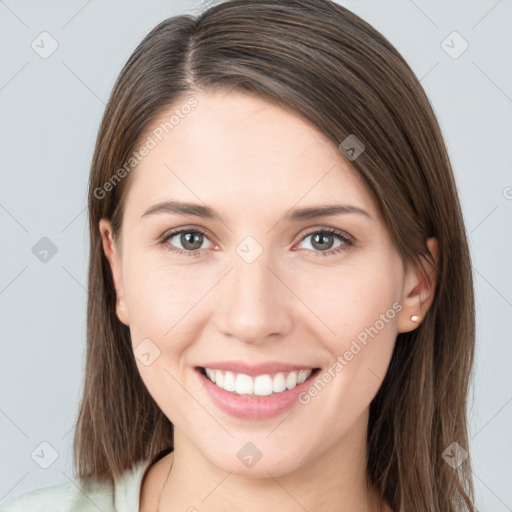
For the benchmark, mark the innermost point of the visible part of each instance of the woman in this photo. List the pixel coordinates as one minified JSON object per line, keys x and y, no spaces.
{"x":281,"y":308}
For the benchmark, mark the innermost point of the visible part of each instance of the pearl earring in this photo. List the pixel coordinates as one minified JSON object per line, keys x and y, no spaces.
{"x":414,"y":318}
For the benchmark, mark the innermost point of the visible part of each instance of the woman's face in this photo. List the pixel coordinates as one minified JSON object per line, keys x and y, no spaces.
{"x":258,"y":285}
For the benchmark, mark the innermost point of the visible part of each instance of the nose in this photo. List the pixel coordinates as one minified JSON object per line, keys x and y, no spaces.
{"x":254,"y":304}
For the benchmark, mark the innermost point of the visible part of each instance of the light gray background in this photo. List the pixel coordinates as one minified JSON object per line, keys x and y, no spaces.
{"x":50,"y":112}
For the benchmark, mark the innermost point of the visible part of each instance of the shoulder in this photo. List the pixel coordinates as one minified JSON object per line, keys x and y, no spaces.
{"x":85,"y":496}
{"x":65,"y":497}
{"x":80,"y":496}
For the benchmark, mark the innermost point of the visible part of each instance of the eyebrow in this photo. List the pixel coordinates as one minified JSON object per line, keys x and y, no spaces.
{"x":295,"y":215}
{"x":183,"y":208}
{"x":323,"y":211}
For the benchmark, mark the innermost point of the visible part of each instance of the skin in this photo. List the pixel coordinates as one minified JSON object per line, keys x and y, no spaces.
{"x":252,"y":162}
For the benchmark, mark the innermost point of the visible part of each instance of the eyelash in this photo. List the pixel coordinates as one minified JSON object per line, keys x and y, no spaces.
{"x":347,"y":241}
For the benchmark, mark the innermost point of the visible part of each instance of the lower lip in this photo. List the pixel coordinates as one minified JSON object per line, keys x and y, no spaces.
{"x":254,"y":407}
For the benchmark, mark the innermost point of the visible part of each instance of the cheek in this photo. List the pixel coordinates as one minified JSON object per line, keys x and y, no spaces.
{"x":168,"y":308}
{"x":356,"y":312}
{"x":164,"y":303}
{"x":350,"y":299}
{"x":163,"y":295}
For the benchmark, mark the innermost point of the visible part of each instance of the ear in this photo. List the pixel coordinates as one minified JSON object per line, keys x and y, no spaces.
{"x":113,"y":257}
{"x":418,"y":292}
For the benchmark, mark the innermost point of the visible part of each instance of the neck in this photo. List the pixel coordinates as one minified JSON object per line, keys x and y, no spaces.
{"x":327,"y":482}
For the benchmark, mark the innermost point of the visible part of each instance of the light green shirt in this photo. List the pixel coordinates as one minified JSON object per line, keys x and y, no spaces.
{"x":124,"y":496}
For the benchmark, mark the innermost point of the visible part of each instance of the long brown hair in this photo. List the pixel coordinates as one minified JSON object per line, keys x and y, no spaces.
{"x":326,"y":64}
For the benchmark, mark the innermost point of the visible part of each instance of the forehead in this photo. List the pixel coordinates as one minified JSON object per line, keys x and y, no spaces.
{"x":238,"y":149}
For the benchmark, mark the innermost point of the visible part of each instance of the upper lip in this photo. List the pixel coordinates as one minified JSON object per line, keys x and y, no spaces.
{"x":253,"y":369}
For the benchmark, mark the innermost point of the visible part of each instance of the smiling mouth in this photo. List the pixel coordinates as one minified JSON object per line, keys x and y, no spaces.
{"x":259,"y":385}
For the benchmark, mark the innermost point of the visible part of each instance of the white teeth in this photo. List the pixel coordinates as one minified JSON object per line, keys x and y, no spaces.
{"x":244,"y":384}
{"x":211,"y":374}
{"x":291,"y":380}
{"x":262,"y":385}
{"x":229,"y":381}
{"x":303,"y":375}
{"x":219,"y":378}
{"x":278,"y":383}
